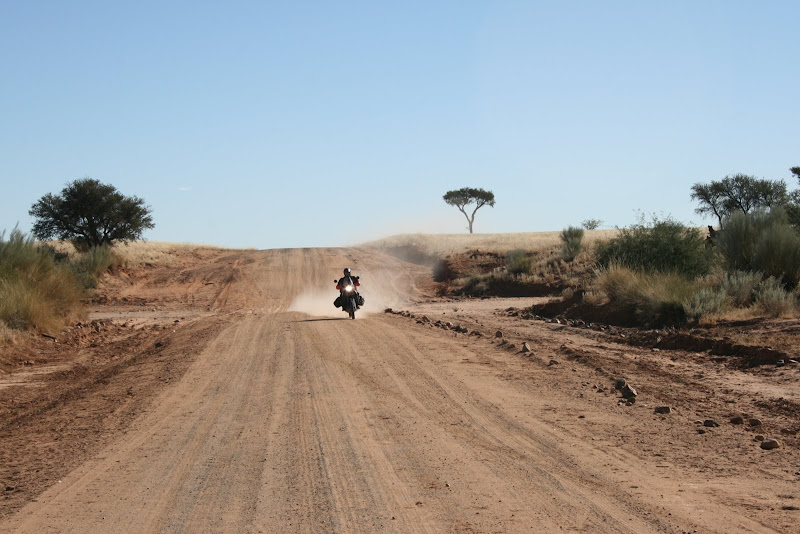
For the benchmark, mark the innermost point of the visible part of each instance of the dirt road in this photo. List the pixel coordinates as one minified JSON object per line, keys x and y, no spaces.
{"x":288,"y":421}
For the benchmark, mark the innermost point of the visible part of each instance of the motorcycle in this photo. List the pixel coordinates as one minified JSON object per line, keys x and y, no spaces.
{"x":349,"y":299}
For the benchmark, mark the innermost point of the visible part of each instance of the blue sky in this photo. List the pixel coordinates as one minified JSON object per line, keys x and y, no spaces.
{"x":295,"y":124}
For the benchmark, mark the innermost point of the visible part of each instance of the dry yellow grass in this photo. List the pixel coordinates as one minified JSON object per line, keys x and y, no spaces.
{"x":137,"y":253}
{"x":443,"y":244}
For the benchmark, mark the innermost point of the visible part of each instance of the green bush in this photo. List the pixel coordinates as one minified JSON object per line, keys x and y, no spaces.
{"x":773,"y":299}
{"x":475,"y":286}
{"x":518,"y":262}
{"x":664,"y":245}
{"x":740,"y":287}
{"x":762,"y":241}
{"x":571,"y":242}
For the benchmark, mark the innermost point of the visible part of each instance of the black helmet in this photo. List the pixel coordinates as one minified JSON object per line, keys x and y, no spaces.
{"x":346,"y":271}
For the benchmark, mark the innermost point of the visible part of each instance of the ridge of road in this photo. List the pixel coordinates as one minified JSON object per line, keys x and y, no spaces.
{"x":295,"y":422}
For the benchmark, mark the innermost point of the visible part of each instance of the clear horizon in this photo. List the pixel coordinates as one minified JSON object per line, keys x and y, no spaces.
{"x":297,"y":125}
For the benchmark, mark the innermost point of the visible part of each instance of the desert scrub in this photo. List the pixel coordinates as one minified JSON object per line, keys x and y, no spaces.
{"x":656,"y":298}
{"x":571,"y":243}
{"x":663,"y":245}
{"x":36,"y":291}
{"x":518,"y":262}
{"x":740,"y":287}
{"x":704,"y":302}
{"x":773,"y":299}
{"x":764,"y":242}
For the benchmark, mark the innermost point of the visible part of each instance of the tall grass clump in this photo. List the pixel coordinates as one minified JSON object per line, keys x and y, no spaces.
{"x":89,"y":265}
{"x":518,"y":262}
{"x":571,"y":242}
{"x":762,"y":241}
{"x":664,"y":245}
{"x":35,"y":290}
{"x":655,"y":298}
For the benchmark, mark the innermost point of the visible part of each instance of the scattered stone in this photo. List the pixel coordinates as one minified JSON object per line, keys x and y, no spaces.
{"x":10,"y":488}
{"x":769,"y":444}
{"x":663,"y":409}
{"x":511,"y":347}
{"x":526,"y":347}
{"x":620,"y":383}
{"x":159,"y":344}
{"x":655,"y":349}
{"x":754,"y":421}
{"x":737,"y":420}
{"x":786,"y":431}
{"x":425,"y":319}
{"x":710,"y":423}
{"x":553,"y":362}
{"x":758,"y":437}
{"x":388,"y":310}
{"x":780,"y":363}
{"x":701,"y":431}
{"x":499,"y":333}
{"x":793,"y":361}
{"x":448,"y":324}
{"x":628,"y":392}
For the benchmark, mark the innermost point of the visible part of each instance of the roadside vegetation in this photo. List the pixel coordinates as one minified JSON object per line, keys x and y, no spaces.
{"x":42,"y":288}
{"x":43,"y":285}
{"x":656,"y":272}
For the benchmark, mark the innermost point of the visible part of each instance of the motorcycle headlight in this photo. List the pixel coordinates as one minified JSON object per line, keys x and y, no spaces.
{"x":348,"y":288}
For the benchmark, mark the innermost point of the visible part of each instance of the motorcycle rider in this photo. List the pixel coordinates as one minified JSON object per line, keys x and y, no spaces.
{"x":348,"y":279}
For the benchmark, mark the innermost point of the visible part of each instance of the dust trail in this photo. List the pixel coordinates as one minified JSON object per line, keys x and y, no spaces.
{"x":381,"y":289}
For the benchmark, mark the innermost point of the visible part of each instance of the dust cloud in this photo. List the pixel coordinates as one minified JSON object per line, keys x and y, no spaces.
{"x":381,"y":289}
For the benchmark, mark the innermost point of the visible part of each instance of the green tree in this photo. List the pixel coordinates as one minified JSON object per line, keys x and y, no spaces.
{"x":461,"y":198}
{"x":793,"y":206}
{"x":739,"y":192}
{"x":90,"y":214}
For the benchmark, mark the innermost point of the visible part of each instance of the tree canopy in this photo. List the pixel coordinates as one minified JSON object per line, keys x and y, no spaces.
{"x":90,"y":214}
{"x":739,"y":192}
{"x":461,"y":198}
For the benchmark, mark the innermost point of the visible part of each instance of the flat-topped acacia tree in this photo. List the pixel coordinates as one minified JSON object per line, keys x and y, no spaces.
{"x":90,"y":214}
{"x":461,"y":198}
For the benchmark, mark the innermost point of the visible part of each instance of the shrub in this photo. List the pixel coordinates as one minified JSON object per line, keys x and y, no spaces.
{"x":740,"y":287}
{"x":764,"y":242}
{"x":475,"y":286}
{"x":773,"y":299}
{"x":706,"y":301}
{"x":571,"y":242}
{"x":663,"y":246}
{"x":591,"y":224}
{"x":518,"y":262}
